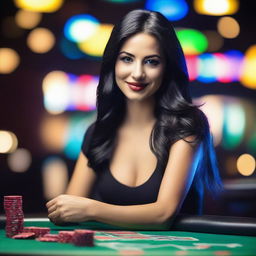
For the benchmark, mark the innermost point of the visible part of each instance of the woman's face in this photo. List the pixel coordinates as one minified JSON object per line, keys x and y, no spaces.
{"x":139,"y":67}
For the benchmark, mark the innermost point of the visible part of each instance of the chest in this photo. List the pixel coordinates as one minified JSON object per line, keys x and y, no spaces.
{"x":133,"y":162}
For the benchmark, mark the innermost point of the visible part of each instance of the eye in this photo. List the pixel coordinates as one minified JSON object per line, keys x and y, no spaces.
{"x":152,"y":62}
{"x":126,"y":59}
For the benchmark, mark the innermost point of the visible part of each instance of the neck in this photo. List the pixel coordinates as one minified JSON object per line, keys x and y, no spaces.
{"x":140,"y":113}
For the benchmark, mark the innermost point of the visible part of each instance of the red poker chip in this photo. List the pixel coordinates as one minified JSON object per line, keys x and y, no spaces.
{"x":66,"y":236}
{"x":39,"y":231}
{"x":24,"y":235}
{"x":83,"y":237}
{"x":47,"y":239}
{"x":51,"y":235}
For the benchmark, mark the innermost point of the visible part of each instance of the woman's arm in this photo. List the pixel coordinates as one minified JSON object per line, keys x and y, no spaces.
{"x":158,"y":215}
{"x":82,"y":179}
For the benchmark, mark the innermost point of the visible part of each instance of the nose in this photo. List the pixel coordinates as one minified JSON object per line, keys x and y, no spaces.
{"x":138,"y":72}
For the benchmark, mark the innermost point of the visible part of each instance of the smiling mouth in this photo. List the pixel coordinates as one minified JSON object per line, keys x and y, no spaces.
{"x":137,"y":86}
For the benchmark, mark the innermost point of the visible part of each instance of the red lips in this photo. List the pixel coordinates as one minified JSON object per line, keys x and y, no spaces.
{"x":136,"y":86}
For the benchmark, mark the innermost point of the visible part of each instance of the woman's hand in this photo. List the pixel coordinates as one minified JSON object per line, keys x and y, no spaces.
{"x":68,"y":208}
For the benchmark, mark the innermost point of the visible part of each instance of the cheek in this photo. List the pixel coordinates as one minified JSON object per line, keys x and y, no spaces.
{"x":120,"y":71}
{"x":157,"y":76}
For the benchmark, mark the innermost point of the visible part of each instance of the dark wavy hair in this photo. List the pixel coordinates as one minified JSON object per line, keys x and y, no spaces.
{"x":177,"y":118}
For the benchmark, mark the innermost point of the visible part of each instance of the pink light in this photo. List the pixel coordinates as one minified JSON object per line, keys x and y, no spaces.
{"x":192,"y":64}
{"x":222,"y":68}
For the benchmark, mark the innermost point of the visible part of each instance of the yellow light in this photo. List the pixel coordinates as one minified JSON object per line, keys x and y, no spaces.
{"x":55,"y":177}
{"x":39,"y":5}
{"x":53,"y":132}
{"x":9,"y":60}
{"x":96,"y":43}
{"x":246,"y":164}
{"x":27,"y":19}
{"x":216,"y":7}
{"x":248,"y":77}
{"x":228,"y":27}
{"x":40,"y":40}
{"x":8,"y":142}
{"x":20,"y":160}
{"x":56,"y":91}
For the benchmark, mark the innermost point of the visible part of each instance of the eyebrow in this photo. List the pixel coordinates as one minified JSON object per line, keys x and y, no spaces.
{"x":149,"y":56}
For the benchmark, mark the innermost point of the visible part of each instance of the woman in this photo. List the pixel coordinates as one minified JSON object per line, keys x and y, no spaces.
{"x":149,"y":155}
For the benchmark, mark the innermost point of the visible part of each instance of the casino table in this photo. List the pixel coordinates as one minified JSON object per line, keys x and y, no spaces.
{"x":190,"y":235}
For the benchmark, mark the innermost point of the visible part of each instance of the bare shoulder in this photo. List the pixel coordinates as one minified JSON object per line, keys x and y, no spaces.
{"x":188,"y":143}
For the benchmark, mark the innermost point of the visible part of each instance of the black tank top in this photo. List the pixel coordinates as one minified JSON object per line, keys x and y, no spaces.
{"x":109,"y":190}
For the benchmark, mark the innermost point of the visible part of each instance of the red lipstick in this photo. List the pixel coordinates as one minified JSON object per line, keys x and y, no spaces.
{"x":136,"y":86}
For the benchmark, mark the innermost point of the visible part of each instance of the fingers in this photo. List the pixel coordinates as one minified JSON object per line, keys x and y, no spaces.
{"x":52,"y":209}
{"x":51,"y":203}
{"x":54,"y":215}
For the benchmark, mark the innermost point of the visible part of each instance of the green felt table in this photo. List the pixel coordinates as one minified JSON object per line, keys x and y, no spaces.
{"x":113,"y":241}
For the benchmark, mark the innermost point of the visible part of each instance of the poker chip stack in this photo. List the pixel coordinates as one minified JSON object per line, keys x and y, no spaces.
{"x":14,"y":215}
{"x":83,"y":237}
{"x":38,"y":231}
{"x":66,"y":236}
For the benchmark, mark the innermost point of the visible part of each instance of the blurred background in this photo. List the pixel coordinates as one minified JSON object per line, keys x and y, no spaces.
{"x":50,"y":57}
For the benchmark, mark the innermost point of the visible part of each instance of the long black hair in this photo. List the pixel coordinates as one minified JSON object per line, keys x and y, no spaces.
{"x":177,"y":118}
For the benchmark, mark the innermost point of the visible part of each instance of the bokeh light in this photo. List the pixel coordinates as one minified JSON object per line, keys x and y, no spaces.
{"x":78,"y":124}
{"x":222,"y":68}
{"x":248,"y":77}
{"x":80,"y":27}
{"x":235,"y":62}
{"x":96,"y":43}
{"x":234,"y":125}
{"x":216,"y":7}
{"x":27,"y":19}
{"x":246,"y":164}
{"x":192,"y":41}
{"x":171,"y":9}
{"x":54,"y":176}
{"x":84,"y":93}
{"x":56,"y":92}
{"x":8,"y":142}
{"x":53,"y":132}
{"x":228,"y":27}
{"x":206,"y":68}
{"x":70,"y":49}
{"x":41,"y":40}
{"x":212,"y":106}
{"x":20,"y":160}
{"x":9,"y":60}
{"x":192,"y":65}
{"x":64,"y":91}
{"x":39,"y":5}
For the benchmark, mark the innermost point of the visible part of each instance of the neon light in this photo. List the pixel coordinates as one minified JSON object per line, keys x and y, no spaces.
{"x":171,"y":9}
{"x":234,"y":125}
{"x":70,"y":50}
{"x":207,"y":68}
{"x":192,"y":65}
{"x":64,"y":92}
{"x":192,"y":41}
{"x":216,"y":7}
{"x":80,"y":27}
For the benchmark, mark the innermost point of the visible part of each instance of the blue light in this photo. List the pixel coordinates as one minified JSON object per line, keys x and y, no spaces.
{"x":79,"y":27}
{"x":171,"y":9}
{"x":78,"y":124}
{"x":206,"y":69}
{"x":70,"y":50}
